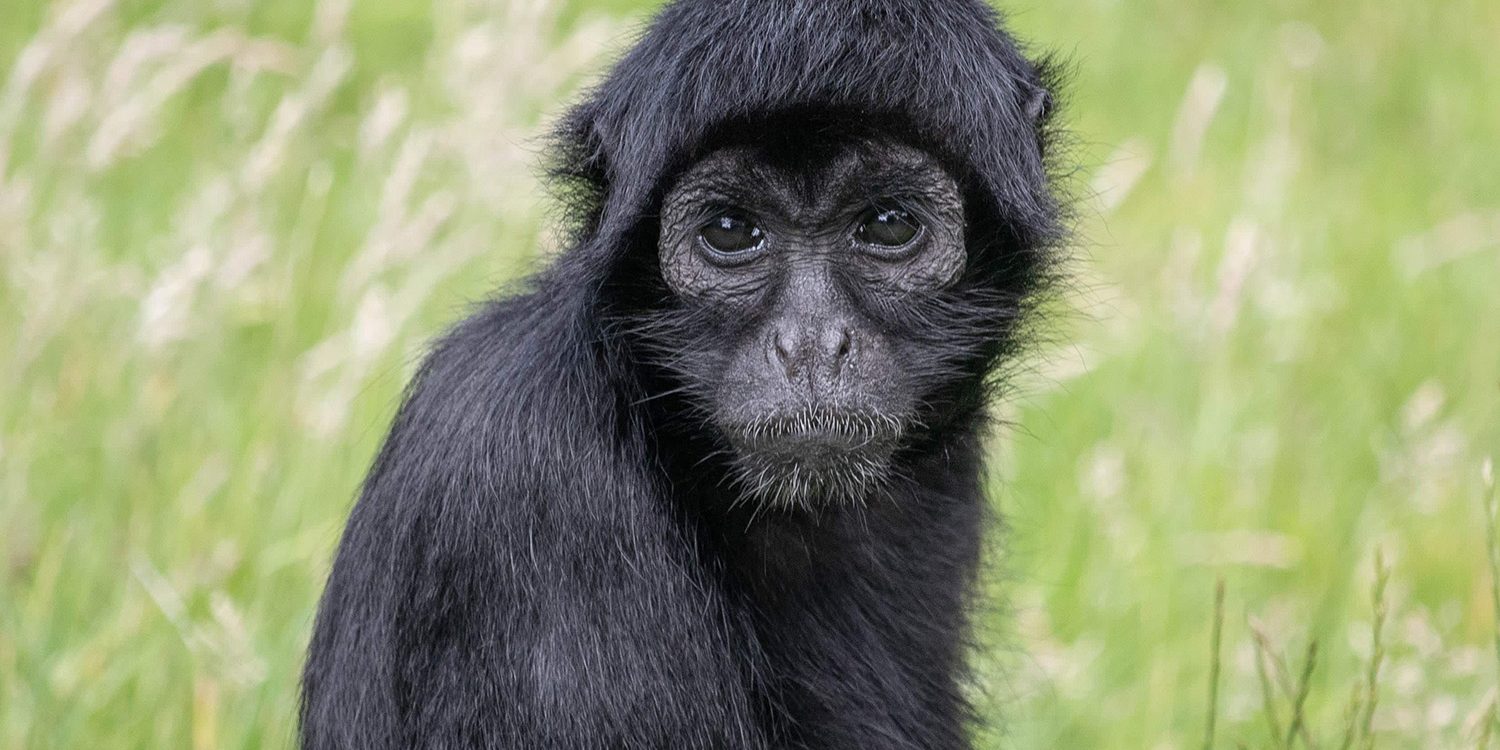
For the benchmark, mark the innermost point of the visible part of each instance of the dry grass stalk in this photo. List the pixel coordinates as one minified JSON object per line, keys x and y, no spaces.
{"x":1492,"y":542}
{"x":1487,"y":730}
{"x":1351,"y":717}
{"x":1267,"y":691}
{"x":1214,"y":665}
{"x":1377,"y":649}
{"x":1298,"y":726}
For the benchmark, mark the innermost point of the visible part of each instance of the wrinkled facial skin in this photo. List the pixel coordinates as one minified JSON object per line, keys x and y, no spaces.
{"x":796,"y":282}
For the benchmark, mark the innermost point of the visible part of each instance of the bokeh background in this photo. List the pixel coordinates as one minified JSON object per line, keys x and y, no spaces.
{"x":227,"y":228}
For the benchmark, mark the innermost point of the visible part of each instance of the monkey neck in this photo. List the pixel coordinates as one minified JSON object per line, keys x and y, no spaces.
{"x":853,"y":593}
{"x":933,"y":505}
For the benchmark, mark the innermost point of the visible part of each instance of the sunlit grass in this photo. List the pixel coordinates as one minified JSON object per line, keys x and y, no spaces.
{"x":1292,"y":360}
{"x":226,"y":230}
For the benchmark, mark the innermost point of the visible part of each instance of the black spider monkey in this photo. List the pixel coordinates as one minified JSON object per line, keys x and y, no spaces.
{"x":713,"y":479}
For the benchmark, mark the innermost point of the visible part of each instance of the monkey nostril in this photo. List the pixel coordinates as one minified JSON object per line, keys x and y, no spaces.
{"x":846,"y":341}
{"x":783,"y":352}
{"x":837,"y":342}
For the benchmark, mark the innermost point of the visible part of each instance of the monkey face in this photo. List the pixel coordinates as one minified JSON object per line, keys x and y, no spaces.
{"x":816,"y":317}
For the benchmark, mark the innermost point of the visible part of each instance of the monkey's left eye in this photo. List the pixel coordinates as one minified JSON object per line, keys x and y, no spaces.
{"x":731,"y":234}
{"x":888,"y":228}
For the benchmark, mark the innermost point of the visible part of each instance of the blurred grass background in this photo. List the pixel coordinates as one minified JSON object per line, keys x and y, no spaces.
{"x":227,"y":228}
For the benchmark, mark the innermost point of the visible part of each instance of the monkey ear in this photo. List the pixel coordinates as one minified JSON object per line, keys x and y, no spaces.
{"x":1038,"y":102}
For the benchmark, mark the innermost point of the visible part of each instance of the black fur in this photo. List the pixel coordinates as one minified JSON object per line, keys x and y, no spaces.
{"x":545,"y":554}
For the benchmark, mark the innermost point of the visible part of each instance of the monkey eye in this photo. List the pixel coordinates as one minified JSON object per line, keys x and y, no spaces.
{"x":731,"y":234}
{"x":888,"y":228}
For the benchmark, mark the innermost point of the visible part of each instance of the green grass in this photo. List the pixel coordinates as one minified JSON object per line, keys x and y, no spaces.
{"x":226,"y":230}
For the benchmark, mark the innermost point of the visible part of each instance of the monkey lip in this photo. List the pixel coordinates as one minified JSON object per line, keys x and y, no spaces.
{"x":810,"y":433}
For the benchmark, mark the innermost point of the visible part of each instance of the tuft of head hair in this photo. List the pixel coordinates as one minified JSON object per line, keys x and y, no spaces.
{"x":940,"y":74}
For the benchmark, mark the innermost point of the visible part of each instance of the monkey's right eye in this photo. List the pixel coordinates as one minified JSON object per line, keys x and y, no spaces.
{"x":731,"y":234}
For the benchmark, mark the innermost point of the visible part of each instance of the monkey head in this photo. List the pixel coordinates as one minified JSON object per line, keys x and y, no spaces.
{"x":819,"y":317}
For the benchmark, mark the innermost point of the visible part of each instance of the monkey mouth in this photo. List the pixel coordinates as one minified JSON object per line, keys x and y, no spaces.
{"x":817,"y":432}
{"x":807,"y":457}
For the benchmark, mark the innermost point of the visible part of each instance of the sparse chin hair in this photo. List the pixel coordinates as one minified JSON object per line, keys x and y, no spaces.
{"x":814,"y":457}
{"x":786,"y":481}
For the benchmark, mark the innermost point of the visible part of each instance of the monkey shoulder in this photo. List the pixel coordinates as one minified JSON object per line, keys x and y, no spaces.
{"x":511,"y":416}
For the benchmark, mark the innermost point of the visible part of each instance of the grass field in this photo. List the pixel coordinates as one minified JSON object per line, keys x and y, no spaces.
{"x":227,"y":228}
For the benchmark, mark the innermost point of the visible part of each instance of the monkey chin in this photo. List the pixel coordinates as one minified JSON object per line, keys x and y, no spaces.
{"x":814,"y":457}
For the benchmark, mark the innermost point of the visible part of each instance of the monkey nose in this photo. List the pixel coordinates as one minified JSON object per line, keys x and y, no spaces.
{"x":815,"y":350}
